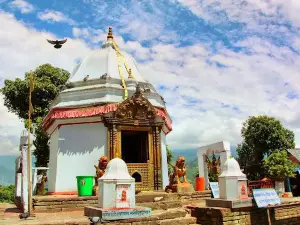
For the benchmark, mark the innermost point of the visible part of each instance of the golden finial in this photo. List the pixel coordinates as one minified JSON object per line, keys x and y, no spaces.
{"x":117,"y":155}
{"x":230,"y":156}
{"x":110,"y":34}
{"x":130,"y":74}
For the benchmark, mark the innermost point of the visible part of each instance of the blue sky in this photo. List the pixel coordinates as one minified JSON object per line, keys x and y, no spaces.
{"x":215,"y":62}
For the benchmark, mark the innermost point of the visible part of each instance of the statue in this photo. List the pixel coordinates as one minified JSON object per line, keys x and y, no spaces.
{"x":40,"y":187}
{"x":100,"y":169}
{"x":124,"y":196}
{"x":179,"y":171}
{"x":213,"y":167}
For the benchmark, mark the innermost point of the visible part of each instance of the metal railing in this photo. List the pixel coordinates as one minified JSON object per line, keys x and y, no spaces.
{"x":258,"y":184}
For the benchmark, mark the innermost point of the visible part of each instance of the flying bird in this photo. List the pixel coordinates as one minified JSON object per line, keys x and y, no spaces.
{"x":57,"y":43}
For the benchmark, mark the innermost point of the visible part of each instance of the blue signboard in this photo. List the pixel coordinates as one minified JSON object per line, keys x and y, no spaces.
{"x":214,"y":186}
{"x":265,"y":197}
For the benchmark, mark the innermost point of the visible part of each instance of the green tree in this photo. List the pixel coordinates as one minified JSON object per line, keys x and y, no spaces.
{"x":278,"y":166}
{"x":169,"y":159}
{"x":262,"y":135}
{"x":48,"y":81}
{"x":7,"y":193}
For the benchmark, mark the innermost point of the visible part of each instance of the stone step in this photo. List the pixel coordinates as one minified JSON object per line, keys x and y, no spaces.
{"x":154,"y":200}
{"x":178,"y":221}
{"x":73,"y":206}
{"x":159,"y":217}
{"x":156,"y":218}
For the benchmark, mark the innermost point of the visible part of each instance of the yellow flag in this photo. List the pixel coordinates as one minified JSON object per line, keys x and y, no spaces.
{"x":31,"y":88}
{"x":30,"y":107}
{"x":31,"y":83}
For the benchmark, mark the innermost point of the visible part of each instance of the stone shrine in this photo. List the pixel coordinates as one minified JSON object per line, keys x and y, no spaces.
{"x":232,"y":187}
{"x":232,"y":182}
{"x":116,"y":199}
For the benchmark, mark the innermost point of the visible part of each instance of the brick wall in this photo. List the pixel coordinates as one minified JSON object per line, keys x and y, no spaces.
{"x":293,"y":159}
{"x":287,"y":214}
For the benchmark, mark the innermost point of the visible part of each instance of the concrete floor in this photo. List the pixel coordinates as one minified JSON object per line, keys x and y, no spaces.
{"x":9,"y":215}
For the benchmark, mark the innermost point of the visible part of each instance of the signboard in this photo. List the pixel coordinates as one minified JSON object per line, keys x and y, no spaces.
{"x":214,"y":186}
{"x":123,"y":199}
{"x":125,"y":213}
{"x":265,"y":197}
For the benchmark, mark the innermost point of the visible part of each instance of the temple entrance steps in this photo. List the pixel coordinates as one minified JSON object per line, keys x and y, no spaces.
{"x":155,"y":200}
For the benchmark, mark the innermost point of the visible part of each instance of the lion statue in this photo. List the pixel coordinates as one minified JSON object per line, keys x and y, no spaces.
{"x":179,"y":171}
{"x":100,"y":170}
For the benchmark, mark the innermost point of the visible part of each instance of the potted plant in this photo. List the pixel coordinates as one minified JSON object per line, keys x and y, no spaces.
{"x":278,"y":166}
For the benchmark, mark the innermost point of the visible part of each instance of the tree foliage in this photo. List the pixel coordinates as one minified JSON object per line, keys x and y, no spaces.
{"x":262,"y":135}
{"x":278,"y":166}
{"x":169,"y":159}
{"x":48,"y":81}
{"x":7,"y":193}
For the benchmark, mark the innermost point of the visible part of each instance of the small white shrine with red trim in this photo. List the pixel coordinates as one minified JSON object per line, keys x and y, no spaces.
{"x":107,"y":108}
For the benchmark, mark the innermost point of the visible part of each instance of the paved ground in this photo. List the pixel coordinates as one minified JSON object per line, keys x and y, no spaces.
{"x":9,"y":215}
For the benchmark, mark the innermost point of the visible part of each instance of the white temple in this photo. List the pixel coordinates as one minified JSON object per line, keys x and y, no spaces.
{"x":107,"y":109}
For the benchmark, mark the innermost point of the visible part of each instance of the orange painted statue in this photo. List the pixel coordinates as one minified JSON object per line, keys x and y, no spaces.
{"x":124,"y":196}
{"x":100,"y":170}
{"x":179,"y":171}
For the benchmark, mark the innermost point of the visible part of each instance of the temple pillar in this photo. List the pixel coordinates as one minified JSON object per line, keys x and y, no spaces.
{"x":112,"y":141}
{"x":157,"y":158}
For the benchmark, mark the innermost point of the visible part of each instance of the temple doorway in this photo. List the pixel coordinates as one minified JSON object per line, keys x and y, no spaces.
{"x":134,"y":146}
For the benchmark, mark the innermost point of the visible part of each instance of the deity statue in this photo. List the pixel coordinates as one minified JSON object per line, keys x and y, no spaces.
{"x":124,"y":196}
{"x":100,"y":170}
{"x":213,"y":166}
{"x":179,"y":171}
{"x":40,"y":187}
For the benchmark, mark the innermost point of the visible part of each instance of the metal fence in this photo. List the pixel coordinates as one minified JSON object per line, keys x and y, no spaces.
{"x":258,"y":184}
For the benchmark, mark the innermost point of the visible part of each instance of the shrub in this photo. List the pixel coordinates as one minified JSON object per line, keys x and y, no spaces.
{"x":7,"y":193}
{"x":278,"y":166}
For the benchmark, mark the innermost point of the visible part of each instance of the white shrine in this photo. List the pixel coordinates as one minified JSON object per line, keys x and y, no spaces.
{"x":107,"y":108}
{"x":116,"y":199}
{"x":232,"y":182}
{"x":116,"y":186}
{"x":233,"y":188}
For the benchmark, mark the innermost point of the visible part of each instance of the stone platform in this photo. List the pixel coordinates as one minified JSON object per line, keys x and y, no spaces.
{"x":155,"y":200}
{"x":174,"y":216}
{"x":230,"y":203}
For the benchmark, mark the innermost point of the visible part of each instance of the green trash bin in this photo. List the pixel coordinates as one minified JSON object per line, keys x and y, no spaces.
{"x":85,"y":185}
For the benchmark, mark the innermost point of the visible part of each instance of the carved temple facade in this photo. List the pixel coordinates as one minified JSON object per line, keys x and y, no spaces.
{"x":107,"y":114}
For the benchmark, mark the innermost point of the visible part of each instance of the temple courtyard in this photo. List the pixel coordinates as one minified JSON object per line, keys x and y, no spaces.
{"x":171,"y":208}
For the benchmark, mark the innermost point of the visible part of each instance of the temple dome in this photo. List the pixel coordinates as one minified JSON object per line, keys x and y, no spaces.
{"x":100,"y":82}
{"x":232,"y":168}
{"x":116,"y":169}
{"x":106,"y":61}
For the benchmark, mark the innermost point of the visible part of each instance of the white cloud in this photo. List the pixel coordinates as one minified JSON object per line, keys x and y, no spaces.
{"x":89,"y":34}
{"x":10,"y":129}
{"x":197,"y":79}
{"x":55,"y":16}
{"x":134,"y":19}
{"x":251,"y":84}
{"x":22,"y":5}
{"x":23,"y":49}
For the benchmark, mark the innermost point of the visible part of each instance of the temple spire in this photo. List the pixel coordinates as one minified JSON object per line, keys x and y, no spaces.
{"x":110,"y":34}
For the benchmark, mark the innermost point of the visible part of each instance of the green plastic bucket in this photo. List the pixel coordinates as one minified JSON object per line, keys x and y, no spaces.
{"x":85,"y":185}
